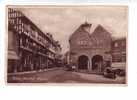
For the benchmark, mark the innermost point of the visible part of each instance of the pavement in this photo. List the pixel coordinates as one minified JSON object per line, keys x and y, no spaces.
{"x":61,"y":76}
{"x":30,"y":72}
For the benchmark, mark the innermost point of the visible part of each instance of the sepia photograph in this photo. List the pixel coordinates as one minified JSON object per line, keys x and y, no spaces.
{"x":82,"y":44}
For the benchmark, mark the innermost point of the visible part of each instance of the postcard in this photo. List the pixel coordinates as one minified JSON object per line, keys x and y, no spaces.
{"x":82,"y":44}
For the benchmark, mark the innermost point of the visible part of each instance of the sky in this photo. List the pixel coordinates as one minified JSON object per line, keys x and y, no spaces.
{"x":62,"y":21}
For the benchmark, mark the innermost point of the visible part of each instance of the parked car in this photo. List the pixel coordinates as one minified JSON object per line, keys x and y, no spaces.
{"x":109,"y":73}
{"x":70,"y":67}
{"x":120,"y":72}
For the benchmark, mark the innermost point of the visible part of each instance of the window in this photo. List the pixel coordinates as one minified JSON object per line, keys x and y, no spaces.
{"x":19,"y":21}
{"x":20,"y":27}
{"x":123,"y":43}
{"x":8,"y":15}
{"x":82,"y":42}
{"x":21,"y":41}
{"x":116,"y":44}
{"x":12,"y":21}
{"x":15,"y":14}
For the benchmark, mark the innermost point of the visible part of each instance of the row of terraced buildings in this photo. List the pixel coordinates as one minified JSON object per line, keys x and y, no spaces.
{"x":28,"y":47}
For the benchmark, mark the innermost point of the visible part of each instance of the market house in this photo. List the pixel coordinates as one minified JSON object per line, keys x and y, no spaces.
{"x":89,"y":51}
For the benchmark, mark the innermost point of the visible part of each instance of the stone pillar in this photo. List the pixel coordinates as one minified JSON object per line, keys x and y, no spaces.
{"x":90,"y":65}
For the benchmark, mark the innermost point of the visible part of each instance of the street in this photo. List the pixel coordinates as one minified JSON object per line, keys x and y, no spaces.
{"x":62,"y":76}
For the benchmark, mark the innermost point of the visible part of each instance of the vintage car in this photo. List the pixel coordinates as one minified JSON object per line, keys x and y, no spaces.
{"x":120,"y":72}
{"x":70,"y":67}
{"x":109,"y":73}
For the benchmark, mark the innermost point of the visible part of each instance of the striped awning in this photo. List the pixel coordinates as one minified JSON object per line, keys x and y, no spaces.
{"x":12,"y":55}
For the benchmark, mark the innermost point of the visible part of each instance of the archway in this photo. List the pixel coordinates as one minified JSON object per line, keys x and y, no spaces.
{"x":97,"y":62}
{"x":83,"y":62}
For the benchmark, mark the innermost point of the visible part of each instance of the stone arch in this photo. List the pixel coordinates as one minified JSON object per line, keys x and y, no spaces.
{"x":97,"y":62}
{"x":83,"y":62}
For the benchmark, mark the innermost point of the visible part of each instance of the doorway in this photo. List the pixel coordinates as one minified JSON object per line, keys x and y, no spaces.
{"x":83,"y":62}
{"x":97,"y":62}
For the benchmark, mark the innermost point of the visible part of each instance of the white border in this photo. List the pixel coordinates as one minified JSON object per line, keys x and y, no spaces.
{"x":72,"y":92}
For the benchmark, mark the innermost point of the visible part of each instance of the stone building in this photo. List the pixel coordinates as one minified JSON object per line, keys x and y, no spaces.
{"x":67,"y":58}
{"x":119,"y":50}
{"x":89,"y":51}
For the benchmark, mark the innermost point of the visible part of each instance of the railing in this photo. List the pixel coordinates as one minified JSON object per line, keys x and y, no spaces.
{"x":26,"y":29}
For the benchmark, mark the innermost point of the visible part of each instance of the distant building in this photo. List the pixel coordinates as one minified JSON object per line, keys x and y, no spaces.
{"x":119,"y":50}
{"x":28,"y":47}
{"x":89,"y":51}
{"x":67,"y":58}
{"x":58,"y":56}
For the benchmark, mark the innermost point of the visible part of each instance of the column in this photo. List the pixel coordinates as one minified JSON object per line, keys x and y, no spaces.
{"x":89,"y":65}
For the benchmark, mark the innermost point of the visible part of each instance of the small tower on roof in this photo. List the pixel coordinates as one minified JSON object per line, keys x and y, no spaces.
{"x":86,"y":26}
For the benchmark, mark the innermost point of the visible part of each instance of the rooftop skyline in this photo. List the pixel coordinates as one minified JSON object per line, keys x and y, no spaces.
{"x":62,"y":21}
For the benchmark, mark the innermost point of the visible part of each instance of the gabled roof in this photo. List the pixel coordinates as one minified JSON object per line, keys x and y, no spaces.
{"x":99,"y":29}
{"x":78,"y":30}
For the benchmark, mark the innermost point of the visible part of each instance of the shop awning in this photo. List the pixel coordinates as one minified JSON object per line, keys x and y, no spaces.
{"x":12,"y":55}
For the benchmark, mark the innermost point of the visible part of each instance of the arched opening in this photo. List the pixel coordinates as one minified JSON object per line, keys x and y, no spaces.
{"x":97,"y":62}
{"x":83,"y":62}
